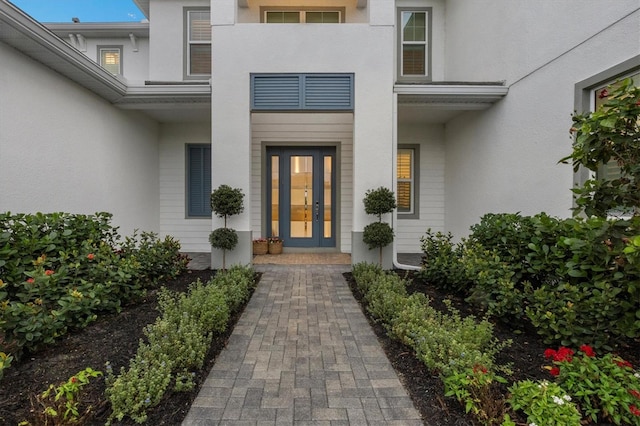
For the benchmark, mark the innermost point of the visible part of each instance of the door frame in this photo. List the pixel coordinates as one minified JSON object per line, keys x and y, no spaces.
{"x":288,"y":149}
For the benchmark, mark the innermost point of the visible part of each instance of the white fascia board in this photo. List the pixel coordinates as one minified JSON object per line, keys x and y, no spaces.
{"x":166,"y":95}
{"x":34,"y":40}
{"x":101,"y":29}
{"x":451,"y":96}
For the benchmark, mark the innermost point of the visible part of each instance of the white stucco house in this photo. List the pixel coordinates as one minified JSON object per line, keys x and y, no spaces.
{"x":461,"y":107}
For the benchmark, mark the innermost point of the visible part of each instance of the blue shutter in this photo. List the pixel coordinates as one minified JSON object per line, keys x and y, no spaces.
{"x":293,"y":92}
{"x":199,"y":180}
{"x":273,"y":92}
{"x":328,"y":92}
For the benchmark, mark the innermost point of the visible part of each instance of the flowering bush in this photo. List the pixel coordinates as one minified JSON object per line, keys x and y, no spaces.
{"x":545,"y":404}
{"x":607,"y":388}
{"x":59,"y":271}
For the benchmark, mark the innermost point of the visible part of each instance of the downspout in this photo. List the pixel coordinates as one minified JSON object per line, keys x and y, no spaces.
{"x":394,"y":179}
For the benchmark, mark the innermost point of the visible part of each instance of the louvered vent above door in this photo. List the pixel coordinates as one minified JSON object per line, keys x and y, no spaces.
{"x":291,"y":92}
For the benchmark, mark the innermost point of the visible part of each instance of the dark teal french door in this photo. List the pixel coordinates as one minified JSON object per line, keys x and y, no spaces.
{"x":301,"y":195}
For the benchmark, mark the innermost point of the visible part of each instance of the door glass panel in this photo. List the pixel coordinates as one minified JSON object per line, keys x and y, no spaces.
{"x":275,"y":195}
{"x":328,"y":192}
{"x":302,"y":197}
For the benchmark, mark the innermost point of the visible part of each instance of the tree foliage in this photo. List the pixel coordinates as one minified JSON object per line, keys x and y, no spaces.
{"x":609,"y":135}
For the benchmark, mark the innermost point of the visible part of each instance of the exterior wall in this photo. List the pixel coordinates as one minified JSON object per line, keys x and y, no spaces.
{"x":62,"y":148}
{"x":240,"y":49}
{"x":193,"y":233}
{"x":167,"y":38}
{"x":251,"y":14}
{"x":272,"y":129}
{"x":431,"y":141}
{"x":505,"y":159}
{"x":135,"y":65}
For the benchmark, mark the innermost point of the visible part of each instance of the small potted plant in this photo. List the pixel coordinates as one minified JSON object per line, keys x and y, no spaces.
{"x":275,"y":245}
{"x":260,"y":246}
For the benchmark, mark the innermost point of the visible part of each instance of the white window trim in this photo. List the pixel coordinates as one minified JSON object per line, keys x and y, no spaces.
{"x":118,"y":48}
{"x":412,"y":78}
{"x":302,"y":11}
{"x":189,"y":43}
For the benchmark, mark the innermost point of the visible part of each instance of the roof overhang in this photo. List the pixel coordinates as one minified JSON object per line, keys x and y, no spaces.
{"x":439,"y":102}
{"x":101,"y":29}
{"x":36,"y":41}
{"x":143,"y":5}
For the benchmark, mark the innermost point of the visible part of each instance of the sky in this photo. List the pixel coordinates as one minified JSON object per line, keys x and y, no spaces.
{"x":85,"y":10}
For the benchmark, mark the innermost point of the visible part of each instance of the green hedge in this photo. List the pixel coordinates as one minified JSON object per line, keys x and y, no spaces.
{"x":59,"y":271}
{"x":177,"y":342}
{"x":576,"y":280}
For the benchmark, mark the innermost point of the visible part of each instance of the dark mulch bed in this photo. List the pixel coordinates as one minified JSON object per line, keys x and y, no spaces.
{"x":115,"y":339}
{"x":525,"y":355}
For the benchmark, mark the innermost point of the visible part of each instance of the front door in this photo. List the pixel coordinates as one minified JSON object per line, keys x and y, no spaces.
{"x":301,"y":195}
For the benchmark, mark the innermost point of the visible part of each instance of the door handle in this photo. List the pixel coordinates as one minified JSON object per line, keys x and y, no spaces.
{"x":317,"y":210}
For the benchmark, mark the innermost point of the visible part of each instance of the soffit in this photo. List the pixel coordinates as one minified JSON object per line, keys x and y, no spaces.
{"x":440,"y":102}
{"x":101,"y":29}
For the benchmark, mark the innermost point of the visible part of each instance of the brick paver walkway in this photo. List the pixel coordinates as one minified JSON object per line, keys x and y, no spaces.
{"x":302,"y":353}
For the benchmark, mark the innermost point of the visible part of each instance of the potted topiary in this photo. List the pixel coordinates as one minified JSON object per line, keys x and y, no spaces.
{"x":225,"y":202}
{"x":378,"y":234}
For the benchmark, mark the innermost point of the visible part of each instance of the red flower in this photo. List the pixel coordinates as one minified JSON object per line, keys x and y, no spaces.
{"x":549,"y":353}
{"x":634,"y":410}
{"x":634,"y":393}
{"x":49,"y":272}
{"x":622,"y":363}
{"x":31,"y":280}
{"x":603,"y":94}
{"x":479,"y":369}
{"x":90,"y":256}
{"x":563,"y":354}
{"x":588,"y":351}
{"x":555,"y":371}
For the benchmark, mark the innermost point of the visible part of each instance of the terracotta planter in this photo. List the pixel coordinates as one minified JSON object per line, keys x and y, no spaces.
{"x":275,"y":248}
{"x":260,"y":247}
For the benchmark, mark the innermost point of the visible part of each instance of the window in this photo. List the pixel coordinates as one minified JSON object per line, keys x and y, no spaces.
{"x":198,"y":189}
{"x":297,"y":16}
{"x":198,"y":58}
{"x":110,"y":58}
{"x":414,"y":48}
{"x":407,"y":181}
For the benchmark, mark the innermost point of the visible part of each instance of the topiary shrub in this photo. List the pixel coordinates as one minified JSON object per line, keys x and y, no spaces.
{"x":378,"y":234}
{"x":225,"y":202}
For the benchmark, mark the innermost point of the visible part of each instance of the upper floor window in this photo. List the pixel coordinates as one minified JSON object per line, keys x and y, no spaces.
{"x":198,"y":56}
{"x":286,"y":15}
{"x":110,"y":58}
{"x":414,"y":39}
